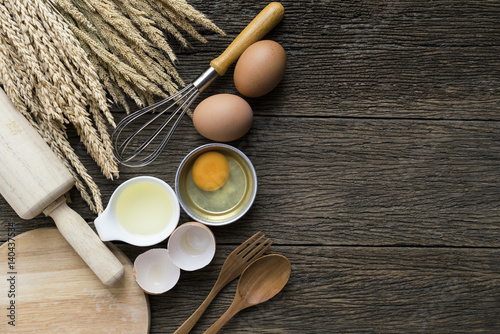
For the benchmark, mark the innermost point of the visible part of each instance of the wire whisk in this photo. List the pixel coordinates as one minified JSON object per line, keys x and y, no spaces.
{"x":140,"y":137}
{"x":142,"y":146}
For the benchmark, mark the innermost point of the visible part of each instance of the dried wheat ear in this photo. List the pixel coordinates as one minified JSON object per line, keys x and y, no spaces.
{"x":60,"y":58}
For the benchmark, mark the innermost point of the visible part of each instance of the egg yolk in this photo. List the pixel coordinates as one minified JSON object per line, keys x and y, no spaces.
{"x":210,"y":171}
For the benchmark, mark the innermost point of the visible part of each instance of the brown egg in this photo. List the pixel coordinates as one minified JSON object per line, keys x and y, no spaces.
{"x":260,"y":68}
{"x":223,"y":117}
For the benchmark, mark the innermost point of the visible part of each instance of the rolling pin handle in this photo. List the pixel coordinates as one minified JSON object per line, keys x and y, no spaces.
{"x":85,"y":242}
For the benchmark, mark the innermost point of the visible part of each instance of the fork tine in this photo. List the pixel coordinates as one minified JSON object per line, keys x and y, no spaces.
{"x":251,"y":246}
{"x":258,"y":250}
{"x":244,"y":245}
{"x":263,"y":250}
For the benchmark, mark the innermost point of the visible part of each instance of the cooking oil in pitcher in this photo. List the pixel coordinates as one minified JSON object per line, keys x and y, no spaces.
{"x":144,"y":208}
{"x":142,"y":211}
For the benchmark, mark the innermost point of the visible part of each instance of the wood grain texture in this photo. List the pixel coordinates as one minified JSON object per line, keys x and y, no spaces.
{"x":390,"y":59}
{"x":378,"y":160}
{"x":31,"y":176}
{"x":51,"y":290}
{"x":354,"y":290}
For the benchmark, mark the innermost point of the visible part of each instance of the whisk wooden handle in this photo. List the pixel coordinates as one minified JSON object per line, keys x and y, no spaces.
{"x":266,"y":20}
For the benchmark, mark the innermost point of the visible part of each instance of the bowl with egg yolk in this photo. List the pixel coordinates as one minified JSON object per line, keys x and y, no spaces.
{"x":216,"y":184}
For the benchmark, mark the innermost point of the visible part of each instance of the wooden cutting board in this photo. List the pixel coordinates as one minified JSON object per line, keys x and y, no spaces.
{"x":54,"y":291}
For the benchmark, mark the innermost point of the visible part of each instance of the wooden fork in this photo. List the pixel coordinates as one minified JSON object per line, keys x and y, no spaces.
{"x":234,"y":265}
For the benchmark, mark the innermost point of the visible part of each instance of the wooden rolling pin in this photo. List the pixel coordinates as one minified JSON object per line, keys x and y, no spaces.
{"x":33,"y":180}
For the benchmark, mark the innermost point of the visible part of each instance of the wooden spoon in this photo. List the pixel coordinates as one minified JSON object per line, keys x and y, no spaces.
{"x":259,"y":282}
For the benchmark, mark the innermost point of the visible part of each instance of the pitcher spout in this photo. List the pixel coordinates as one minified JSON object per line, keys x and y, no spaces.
{"x":105,"y":226}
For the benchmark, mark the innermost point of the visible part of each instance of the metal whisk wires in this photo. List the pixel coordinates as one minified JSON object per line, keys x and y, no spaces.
{"x":152,"y":132}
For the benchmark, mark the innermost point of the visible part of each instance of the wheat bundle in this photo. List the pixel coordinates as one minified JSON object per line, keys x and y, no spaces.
{"x":58,"y":59}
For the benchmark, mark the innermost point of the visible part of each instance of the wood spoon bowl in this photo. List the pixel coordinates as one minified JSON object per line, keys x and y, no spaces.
{"x":259,"y":282}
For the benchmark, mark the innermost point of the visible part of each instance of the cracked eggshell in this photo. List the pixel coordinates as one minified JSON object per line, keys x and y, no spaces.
{"x":154,"y":271}
{"x":191,"y":246}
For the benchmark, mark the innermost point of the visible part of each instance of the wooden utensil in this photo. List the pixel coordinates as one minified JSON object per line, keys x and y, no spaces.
{"x":54,"y":290}
{"x":236,"y":262}
{"x":33,"y":180}
{"x":259,"y":282}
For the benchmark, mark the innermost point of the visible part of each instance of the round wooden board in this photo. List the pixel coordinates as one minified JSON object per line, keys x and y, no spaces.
{"x":54,"y":291}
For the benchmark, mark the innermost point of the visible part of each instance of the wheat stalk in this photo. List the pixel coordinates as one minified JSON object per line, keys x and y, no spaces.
{"x":36,"y":77}
{"x":58,"y":58}
{"x":186,"y":10}
{"x":74,"y":98}
{"x":125,"y":38}
{"x":48,"y":77}
{"x":17,"y":85}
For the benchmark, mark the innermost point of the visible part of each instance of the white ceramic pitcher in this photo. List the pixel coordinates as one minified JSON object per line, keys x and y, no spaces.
{"x":134,"y":206}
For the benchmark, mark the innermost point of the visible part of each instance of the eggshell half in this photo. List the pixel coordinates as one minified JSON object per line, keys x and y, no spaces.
{"x":154,"y":271}
{"x":223,"y":117}
{"x":260,"y":68}
{"x":192,"y":246}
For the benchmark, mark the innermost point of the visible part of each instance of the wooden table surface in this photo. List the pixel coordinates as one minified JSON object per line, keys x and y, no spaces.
{"x":378,"y":164}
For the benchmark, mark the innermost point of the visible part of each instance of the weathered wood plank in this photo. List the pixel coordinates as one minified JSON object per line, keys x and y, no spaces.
{"x":398,"y":182}
{"x":353,"y":290}
{"x":413,"y":23}
{"x":396,"y":59}
{"x":356,"y":182}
